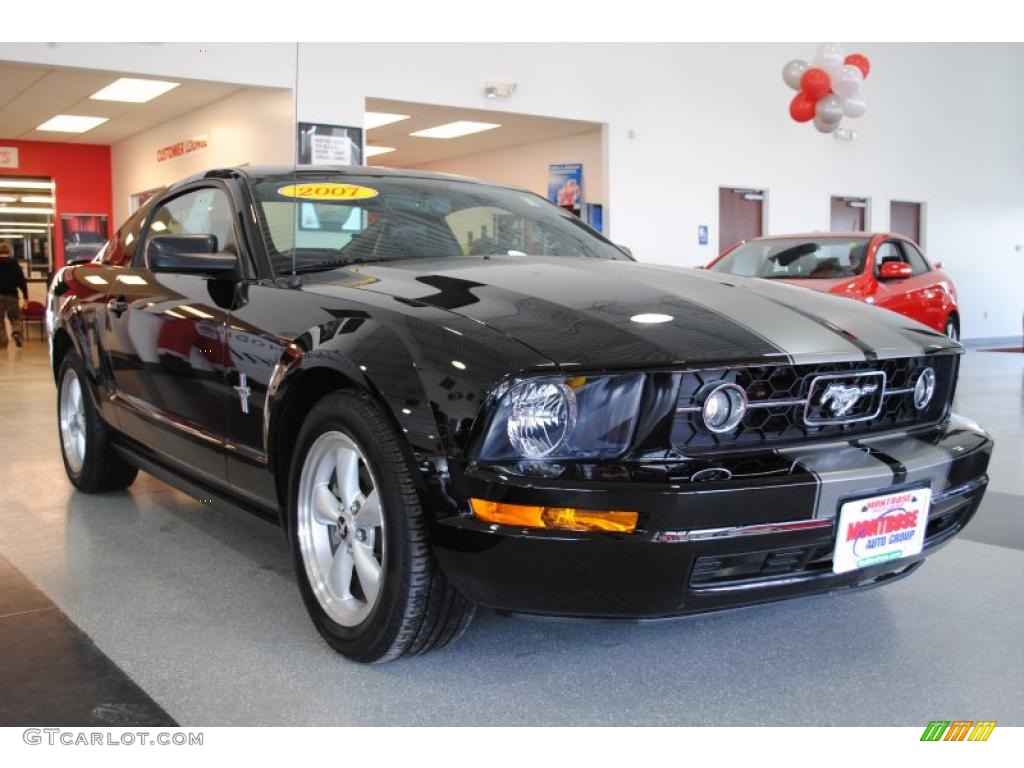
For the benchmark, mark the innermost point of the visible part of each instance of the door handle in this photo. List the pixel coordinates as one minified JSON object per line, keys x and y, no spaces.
{"x":118,"y":305}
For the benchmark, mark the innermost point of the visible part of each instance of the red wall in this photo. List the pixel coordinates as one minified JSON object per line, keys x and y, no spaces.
{"x":81,"y":173}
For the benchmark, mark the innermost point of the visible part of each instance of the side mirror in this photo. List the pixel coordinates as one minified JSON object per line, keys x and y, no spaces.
{"x":894,"y":270}
{"x":189,"y":255}
{"x":625,"y":250}
{"x":938,"y":265}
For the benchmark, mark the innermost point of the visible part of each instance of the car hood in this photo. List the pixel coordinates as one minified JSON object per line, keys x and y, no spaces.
{"x":611,"y":314}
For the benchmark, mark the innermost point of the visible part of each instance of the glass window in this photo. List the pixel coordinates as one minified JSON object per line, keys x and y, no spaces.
{"x":916,"y":259}
{"x":119,"y":249}
{"x":200,"y":212}
{"x":796,"y":259}
{"x":327,"y":221}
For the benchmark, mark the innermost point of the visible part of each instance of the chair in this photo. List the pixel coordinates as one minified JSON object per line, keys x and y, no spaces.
{"x":33,"y":313}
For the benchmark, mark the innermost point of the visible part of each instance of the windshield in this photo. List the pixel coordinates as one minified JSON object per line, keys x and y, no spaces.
{"x":331,"y":220}
{"x":796,"y":259}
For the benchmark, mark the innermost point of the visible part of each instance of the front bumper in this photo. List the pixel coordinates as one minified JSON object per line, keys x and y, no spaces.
{"x":713,"y":533}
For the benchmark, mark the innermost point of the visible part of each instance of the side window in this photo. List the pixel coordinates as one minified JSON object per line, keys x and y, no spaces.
{"x":119,"y":249}
{"x":888,"y":251}
{"x":915,"y":259}
{"x":199,"y":212}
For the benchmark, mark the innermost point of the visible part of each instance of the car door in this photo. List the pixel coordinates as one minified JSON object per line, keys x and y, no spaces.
{"x":905,"y":295}
{"x":166,"y":340}
{"x":928,"y":282}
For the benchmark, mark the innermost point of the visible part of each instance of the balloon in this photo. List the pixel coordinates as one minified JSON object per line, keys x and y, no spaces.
{"x":854,"y":106}
{"x":860,"y":61}
{"x":815,"y":83}
{"x":828,"y":56}
{"x":829,"y":109}
{"x":825,"y":127}
{"x":792,"y":72}
{"x":801,"y":108}
{"x":848,"y":82}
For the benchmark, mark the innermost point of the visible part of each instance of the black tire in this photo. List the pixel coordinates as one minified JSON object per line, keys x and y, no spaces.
{"x":102,"y":468}
{"x":417,"y":609}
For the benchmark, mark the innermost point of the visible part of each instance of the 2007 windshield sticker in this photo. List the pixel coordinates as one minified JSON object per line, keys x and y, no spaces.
{"x":327,"y":191}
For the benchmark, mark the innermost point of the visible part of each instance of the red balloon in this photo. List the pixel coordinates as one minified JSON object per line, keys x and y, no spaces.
{"x":860,"y":61}
{"x":801,"y":108}
{"x":815,"y":83}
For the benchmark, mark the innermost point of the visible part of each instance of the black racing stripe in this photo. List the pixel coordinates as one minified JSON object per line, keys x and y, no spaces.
{"x":869,"y":352}
{"x":899,"y":469}
{"x":52,"y":673}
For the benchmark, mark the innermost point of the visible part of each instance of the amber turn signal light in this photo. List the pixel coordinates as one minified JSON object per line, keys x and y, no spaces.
{"x":554,"y":518}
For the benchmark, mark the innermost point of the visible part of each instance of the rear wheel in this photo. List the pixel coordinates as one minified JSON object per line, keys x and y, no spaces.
{"x":359,"y":538}
{"x":91,"y":463}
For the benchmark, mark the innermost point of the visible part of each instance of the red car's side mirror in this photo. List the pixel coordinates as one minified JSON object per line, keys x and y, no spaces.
{"x":894,"y":270}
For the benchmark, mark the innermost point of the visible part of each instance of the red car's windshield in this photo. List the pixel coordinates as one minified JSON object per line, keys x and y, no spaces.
{"x":796,"y":259}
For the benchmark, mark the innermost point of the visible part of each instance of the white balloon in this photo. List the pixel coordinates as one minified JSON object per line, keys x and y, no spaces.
{"x":848,"y":82}
{"x":824,"y":126}
{"x":829,"y":109}
{"x":854,"y":106}
{"x":793,"y":71}
{"x":829,"y":56}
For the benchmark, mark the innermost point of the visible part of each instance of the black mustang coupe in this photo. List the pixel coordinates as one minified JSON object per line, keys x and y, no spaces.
{"x":453,"y":394}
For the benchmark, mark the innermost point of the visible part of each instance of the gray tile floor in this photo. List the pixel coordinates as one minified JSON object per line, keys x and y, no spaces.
{"x":200,"y":607}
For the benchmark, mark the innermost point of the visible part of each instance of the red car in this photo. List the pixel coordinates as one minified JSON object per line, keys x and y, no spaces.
{"x":883,"y":269}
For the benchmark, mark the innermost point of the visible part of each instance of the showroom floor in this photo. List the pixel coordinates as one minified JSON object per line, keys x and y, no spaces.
{"x":146,"y":606}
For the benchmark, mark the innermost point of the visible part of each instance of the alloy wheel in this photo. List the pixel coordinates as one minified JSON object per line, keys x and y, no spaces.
{"x":72,"y":421}
{"x":951,"y":330}
{"x":341,"y":528}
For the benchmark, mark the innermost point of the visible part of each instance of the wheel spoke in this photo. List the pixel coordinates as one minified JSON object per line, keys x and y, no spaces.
{"x":347,"y":469}
{"x":325,"y":506}
{"x":368,"y":569}
{"x":369,"y":512}
{"x":340,"y":574}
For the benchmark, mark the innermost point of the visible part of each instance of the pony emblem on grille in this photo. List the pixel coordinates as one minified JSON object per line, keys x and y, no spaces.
{"x":840,"y":398}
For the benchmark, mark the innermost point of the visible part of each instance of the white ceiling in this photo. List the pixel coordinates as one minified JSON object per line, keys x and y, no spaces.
{"x":30,"y":95}
{"x":413,"y":151}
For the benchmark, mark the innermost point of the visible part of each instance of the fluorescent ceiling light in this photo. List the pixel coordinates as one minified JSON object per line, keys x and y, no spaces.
{"x":71,"y":123}
{"x":35,"y":199}
{"x":134,"y":90}
{"x":373,"y":120}
{"x":374,"y":151}
{"x":8,"y":199}
{"x":454,"y":130}
{"x":22,"y":209}
{"x":44,"y":225}
{"x":18,"y":184}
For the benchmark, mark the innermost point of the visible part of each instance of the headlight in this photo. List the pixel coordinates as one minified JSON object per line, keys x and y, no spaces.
{"x":564,"y":417}
{"x":542,"y":414}
{"x":723,"y":407}
{"x":924,"y":389}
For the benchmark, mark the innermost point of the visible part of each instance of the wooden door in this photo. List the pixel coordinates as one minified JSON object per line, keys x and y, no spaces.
{"x":905,"y":219}
{"x":740,"y":215}
{"x":848,"y":214}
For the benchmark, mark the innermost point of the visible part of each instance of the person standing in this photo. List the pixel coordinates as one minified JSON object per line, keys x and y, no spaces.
{"x":12,"y":280}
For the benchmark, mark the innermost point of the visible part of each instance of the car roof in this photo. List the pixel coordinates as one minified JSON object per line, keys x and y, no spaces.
{"x":827,"y":236}
{"x":316,"y":171}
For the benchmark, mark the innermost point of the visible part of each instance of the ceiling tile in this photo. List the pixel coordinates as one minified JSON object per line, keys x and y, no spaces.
{"x":42,"y":107}
{"x":65,"y":82}
{"x":17,"y":77}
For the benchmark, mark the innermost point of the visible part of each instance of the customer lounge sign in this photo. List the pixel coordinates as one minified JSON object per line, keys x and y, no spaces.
{"x":184,"y":147}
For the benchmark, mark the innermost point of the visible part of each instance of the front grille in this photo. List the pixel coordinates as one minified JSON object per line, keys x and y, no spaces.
{"x":778,"y":402}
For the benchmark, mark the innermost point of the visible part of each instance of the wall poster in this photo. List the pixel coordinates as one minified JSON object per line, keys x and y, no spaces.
{"x":565,"y":186}
{"x":84,"y":235}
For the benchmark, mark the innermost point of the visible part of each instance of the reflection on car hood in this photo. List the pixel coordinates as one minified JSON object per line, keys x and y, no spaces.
{"x":591,"y":313}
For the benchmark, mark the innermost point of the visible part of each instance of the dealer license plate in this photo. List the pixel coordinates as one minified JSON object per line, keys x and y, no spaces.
{"x":881,"y":528}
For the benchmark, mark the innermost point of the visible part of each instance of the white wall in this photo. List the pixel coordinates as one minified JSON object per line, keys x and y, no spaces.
{"x":943,"y":127}
{"x":527,"y":165}
{"x":251,"y":126}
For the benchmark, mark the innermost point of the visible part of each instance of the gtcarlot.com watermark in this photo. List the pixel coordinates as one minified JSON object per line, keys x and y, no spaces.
{"x":69,"y":737}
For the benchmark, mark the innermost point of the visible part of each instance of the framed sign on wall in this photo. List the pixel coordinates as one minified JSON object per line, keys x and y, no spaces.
{"x":329,"y":144}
